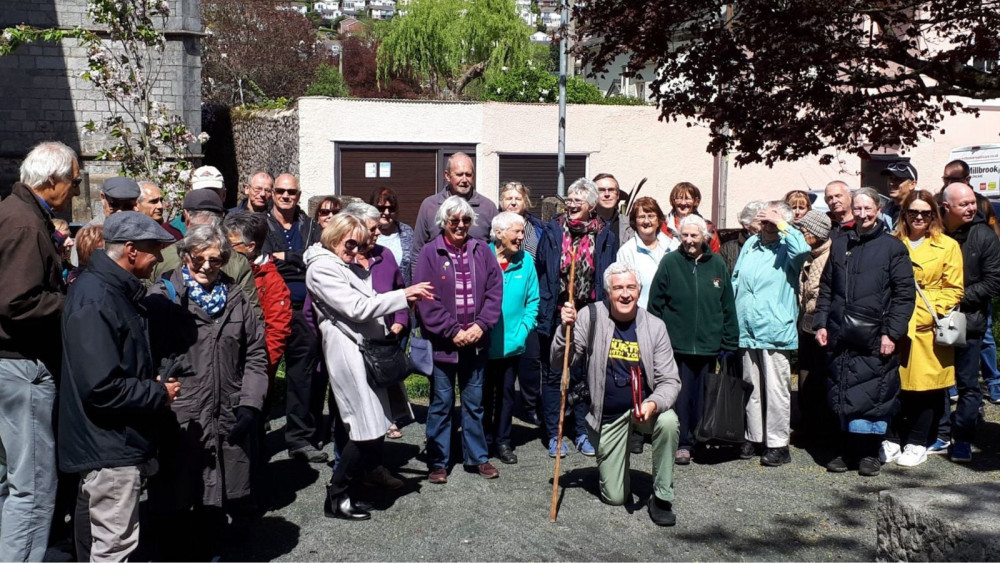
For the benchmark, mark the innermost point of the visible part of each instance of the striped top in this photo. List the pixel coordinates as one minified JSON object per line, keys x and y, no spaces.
{"x":465,"y":299}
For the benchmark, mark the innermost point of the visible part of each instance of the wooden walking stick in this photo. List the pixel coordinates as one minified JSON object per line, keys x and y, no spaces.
{"x":564,"y":384}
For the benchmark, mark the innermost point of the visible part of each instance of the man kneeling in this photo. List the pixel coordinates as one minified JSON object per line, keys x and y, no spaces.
{"x":626,"y":342}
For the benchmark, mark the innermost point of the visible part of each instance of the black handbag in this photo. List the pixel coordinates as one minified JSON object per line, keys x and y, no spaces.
{"x":385,"y":360}
{"x":723,"y":416}
{"x":860,"y":330}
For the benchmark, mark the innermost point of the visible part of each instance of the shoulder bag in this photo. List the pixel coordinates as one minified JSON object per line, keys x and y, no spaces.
{"x":949,"y":330}
{"x":386,"y":363}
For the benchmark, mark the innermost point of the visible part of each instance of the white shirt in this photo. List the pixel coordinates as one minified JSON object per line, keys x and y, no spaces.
{"x":394,"y":245}
{"x":645,"y":261}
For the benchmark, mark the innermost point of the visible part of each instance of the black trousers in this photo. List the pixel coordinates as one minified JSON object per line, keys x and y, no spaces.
{"x":306,"y":387}
{"x":356,"y":459}
{"x":919,"y":413}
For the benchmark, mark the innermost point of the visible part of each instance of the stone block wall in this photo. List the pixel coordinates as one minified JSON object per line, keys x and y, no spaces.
{"x":266,"y":140}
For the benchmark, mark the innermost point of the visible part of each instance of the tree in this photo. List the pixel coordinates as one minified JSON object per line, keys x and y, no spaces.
{"x":328,"y":83}
{"x":448,"y":43}
{"x":256,"y":52}
{"x":777,"y":80}
{"x":360,"y":73}
{"x":532,"y":84}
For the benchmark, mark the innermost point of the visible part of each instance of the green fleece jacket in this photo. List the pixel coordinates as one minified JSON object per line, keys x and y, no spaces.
{"x":695,"y":300}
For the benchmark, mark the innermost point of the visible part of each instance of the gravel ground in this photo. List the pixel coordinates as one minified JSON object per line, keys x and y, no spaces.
{"x":727,"y":509}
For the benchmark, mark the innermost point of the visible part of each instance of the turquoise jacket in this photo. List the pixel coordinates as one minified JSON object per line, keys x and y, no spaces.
{"x":520,"y":307}
{"x":765,"y":282}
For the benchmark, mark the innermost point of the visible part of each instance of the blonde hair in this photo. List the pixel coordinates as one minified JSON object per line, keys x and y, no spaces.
{"x":515,"y":186}
{"x":61,"y":225}
{"x":341,"y":226}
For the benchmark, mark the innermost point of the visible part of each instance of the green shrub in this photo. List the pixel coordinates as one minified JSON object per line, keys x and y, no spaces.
{"x":329,"y":82}
{"x":418,"y":387}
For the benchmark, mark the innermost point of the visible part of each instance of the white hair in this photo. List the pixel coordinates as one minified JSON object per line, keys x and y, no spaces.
{"x":362,"y":211}
{"x":454,"y":205}
{"x":145,"y":187}
{"x":786,"y":210}
{"x":585,"y":187}
{"x":750,"y":211}
{"x":870,"y":193}
{"x":47,"y":160}
{"x":504,"y":221}
{"x":617,"y":268}
{"x":114,"y":250}
{"x":697,"y":221}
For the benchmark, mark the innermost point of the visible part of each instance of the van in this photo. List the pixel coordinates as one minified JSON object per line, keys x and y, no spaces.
{"x":984,"y":167}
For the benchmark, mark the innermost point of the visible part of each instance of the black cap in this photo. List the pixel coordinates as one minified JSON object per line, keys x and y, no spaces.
{"x":203,"y":200}
{"x":132,"y":226}
{"x":120,"y":187}
{"x":901,"y":169}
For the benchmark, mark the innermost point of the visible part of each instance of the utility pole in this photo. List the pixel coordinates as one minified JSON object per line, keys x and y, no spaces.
{"x":563,"y":65}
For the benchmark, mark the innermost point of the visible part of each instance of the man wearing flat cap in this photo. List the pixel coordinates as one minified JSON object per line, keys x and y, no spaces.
{"x":901,"y":180}
{"x":119,"y":194}
{"x":110,"y":392}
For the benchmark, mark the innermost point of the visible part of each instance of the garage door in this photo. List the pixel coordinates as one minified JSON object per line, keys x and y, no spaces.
{"x":540,"y":171}
{"x":412,"y":174}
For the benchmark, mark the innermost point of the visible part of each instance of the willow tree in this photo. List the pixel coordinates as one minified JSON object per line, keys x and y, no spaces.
{"x":448,"y":43}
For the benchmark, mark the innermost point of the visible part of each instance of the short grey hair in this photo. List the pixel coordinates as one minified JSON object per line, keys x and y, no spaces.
{"x":870,"y":193}
{"x":204,"y":217}
{"x":47,"y":160}
{"x":750,"y":211}
{"x":786,"y":210}
{"x":114,"y":250}
{"x":362,"y":211}
{"x":585,"y":187}
{"x":451,"y":159}
{"x":617,"y":268}
{"x":144,"y":186}
{"x":697,"y":221}
{"x":200,"y":237}
{"x":454,"y":205}
{"x":504,"y":221}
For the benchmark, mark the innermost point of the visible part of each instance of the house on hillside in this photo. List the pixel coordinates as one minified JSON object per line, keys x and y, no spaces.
{"x":381,"y":9}
{"x":354,"y":7}
{"x":293,"y":7}
{"x":350,"y":26}
{"x":329,"y":10}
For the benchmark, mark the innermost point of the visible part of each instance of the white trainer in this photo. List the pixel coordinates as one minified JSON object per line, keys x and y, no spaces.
{"x":889,"y":452}
{"x":912,"y":456}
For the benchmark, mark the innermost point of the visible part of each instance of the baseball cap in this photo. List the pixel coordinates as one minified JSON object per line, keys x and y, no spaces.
{"x":120,"y":187}
{"x":901,"y":170}
{"x":132,"y":226}
{"x":207,"y":177}
{"x":203,"y":200}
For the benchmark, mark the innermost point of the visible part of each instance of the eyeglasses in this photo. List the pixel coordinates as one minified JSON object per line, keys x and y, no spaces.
{"x":683,"y":199}
{"x":386,"y":208}
{"x":77,"y":181}
{"x":373,"y":230}
{"x":464,"y":220}
{"x":259,"y":189}
{"x":324,"y":211}
{"x":198,"y":262}
{"x":608,"y":190}
{"x":576,"y":202}
{"x":350,"y":245}
{"x":282,"y":191}
{"x":647,"y":217}
{"x":915,"y":213}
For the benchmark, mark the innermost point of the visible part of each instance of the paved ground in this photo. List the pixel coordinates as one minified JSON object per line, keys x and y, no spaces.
{"x":727,"y":509}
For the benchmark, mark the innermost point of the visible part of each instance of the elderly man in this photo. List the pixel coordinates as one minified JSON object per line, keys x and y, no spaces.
{"x":902,"y":177}
{"x":110,"y":393}
{"x":633,"y":384}
{"x":838,"y":199}
{"x":981,"y":265}
{"x":150,"y":204}
{"x":608,"y":196}
{"x":32,"y":296}
{"x":119,"y":194}
{"x":290,"y":233}
{"x":460,"y":180}
{"x":258,"y":191}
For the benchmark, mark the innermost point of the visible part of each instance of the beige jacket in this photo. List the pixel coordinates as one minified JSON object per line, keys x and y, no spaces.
{"x":812,"y":271}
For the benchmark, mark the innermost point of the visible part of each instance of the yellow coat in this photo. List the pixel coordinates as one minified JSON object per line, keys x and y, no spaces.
{"x":937,"y":267}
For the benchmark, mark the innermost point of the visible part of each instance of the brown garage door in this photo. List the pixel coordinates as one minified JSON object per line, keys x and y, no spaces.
{"x":540,"y":172}
{"x":412,"y":174}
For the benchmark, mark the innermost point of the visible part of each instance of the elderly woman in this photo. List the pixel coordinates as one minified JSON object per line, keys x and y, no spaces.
{"x":765,"y":283}
{"x":693,"y":296}
{"x":349,"y":311}
{"x":865,"y":303}
{"x":467,"y":304}
{"x":518,"y":318}
{"x":199,"y":314}
{"x":644,"y":251}
{"x":576,"y":236}
{"x":799,"y":201}
{"x":926,"y":370}
{"x":327,"y":208}
{"x":729,"y":251}
{"x":394,"y":235}
{"x":685,"y":198}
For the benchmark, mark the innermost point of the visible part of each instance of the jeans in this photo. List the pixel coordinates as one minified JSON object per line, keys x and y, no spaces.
{"x":552,"y":394}
{"x":529,"y":373}
{"x":611,"y":443}
{"x":988,"y":360}
{"x":469,"y":371}
{"x":306,"y":387}
{"x":690,"y":401}
{"x":498,"y":399}
{"x":27,"y":459}
{"x":970,"y":396}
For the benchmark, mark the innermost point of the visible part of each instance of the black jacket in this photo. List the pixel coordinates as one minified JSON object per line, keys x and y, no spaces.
{"x":292,"y":268}
{"x":871,"y":275}
{"x":108,"y":396}
{"x":981,"y":265}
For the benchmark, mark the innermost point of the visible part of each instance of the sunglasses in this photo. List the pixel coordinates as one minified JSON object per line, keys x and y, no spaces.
{"x":282,"y":191}
{"x":384,"y":208}
{"x":198,"y":262}
{"x":915,"y":213}
{"x":325,"y":211}
{"x":350,"y":245}
{"x":77,"y":182}
{"x":464,"y":220}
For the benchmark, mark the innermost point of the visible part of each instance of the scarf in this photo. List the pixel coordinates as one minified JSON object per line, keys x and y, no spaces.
{"x":214,"y":302}
{"x":581,"y":236}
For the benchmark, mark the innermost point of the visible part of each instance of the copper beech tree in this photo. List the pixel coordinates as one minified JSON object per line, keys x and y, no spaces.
{"x":779,"y":79}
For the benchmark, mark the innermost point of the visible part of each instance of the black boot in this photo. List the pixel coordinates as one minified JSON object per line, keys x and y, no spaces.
{"x":341,"y":506}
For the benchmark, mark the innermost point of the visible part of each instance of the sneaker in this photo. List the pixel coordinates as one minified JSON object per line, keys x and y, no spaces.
{"x":682,"y":457}
{"x":889,"y":452}
{"x":912,"y":456}
{"x":661,"y":512}
{"x":488,"y":471}
{"x":775,"y":457}
{"x":961,"y":452}
{"x":552,"y":449}
{"x":439,"y":476}
{"x":748,"y":450}
{"x":837,"y":465}
{"x":939,"y":447}
{"x":310,"y":454}
{"x":381,"y":478}
{"x":584,"y":446}
{"x":869,"y":467}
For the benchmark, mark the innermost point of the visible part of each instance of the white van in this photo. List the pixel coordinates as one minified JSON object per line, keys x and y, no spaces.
{"x":984,"y":166}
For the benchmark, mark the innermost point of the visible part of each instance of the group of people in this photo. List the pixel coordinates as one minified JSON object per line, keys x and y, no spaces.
{"x":169,"y":337}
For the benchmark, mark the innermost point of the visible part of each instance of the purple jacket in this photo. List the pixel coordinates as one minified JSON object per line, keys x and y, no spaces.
{"x":386,"y":277}
{"x":438,"y":320}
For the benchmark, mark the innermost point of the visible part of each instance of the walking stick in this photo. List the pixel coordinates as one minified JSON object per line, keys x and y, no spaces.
{"x":564,"y":385}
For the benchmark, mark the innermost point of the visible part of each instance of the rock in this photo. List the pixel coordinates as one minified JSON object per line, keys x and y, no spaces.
{"x":949,"y":523}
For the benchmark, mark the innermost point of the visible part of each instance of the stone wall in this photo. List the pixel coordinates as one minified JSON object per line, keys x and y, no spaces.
{"x":266,"y":140}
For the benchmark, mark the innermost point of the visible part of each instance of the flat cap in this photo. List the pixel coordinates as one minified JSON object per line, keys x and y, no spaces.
{"x":132,"y":226}
{"x":120,"y":187}
{"x":207,"y":177}
{"x":816,"y":223}
{"x":203,"y":200}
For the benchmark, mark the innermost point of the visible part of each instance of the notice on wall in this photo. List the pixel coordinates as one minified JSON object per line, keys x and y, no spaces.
{"x":385,"y":170}
{"x":371,"y":170}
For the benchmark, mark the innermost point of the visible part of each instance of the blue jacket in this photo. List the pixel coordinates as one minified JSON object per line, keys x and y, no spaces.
{"x":549,"y":256}
{"x":519,"y":314}
{"x":765,"y":282}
